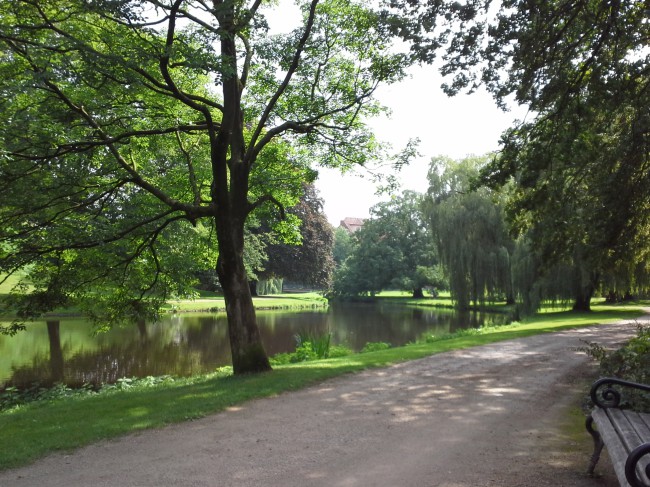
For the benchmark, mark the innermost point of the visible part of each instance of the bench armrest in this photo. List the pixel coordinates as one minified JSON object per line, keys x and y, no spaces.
{"x":609,"y":397}
{"x":632,"y":474}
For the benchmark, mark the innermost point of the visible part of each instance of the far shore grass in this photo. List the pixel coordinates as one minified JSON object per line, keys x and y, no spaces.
{"x":37,"y":429}
{"x":212,"y":302}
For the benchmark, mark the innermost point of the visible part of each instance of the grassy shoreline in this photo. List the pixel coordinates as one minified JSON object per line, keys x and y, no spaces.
{"x":34,"y":430}
{"x":214,"y":303}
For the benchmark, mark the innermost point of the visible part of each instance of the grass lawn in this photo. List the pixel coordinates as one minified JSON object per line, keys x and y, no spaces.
{"x":212,"y":302}
{"x":31,"y":431}
{"x":443,"y":300}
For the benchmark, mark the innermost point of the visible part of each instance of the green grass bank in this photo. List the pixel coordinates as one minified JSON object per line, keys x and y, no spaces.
{"x":36,"y":429}
{"x":211,"y":302}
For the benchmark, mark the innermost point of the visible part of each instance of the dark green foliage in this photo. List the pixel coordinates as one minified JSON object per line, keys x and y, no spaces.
{"x":589,"y":212}
{"x":311,"y":346}
{"x":336,"y":351}
{"x":393,"y":250}
{"x":579,"y":166}
{"x":308,"y":260}
{"x":541,"y":51}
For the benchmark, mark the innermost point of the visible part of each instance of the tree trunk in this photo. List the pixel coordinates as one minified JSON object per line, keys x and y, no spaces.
{"x":230,"y":195}
{"x":583,"y":299}
{"x":418,"y":293}
{"x":248,"y":354}
{"x":584,"y":290}
{"x":253,"y":286}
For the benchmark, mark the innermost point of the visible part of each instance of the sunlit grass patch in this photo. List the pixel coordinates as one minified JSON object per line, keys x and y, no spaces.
{"x":207,"y":302}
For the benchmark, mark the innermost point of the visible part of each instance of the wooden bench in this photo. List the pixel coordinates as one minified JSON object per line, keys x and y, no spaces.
{"x":625,"y":432}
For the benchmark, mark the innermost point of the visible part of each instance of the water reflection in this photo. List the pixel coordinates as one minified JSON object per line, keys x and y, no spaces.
{"x":187,"y":344}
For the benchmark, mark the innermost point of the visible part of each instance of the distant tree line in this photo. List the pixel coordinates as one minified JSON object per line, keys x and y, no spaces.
{"x":461,"y":236}
{"x":563,"y":210}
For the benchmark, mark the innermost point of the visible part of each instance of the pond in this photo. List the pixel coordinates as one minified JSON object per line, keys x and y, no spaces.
{"x":192,"y":343}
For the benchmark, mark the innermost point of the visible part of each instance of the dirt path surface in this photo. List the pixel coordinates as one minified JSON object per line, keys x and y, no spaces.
{"x":493,"y":415}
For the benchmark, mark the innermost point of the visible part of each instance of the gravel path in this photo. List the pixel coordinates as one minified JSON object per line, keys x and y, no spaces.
{"x":493,"y":415}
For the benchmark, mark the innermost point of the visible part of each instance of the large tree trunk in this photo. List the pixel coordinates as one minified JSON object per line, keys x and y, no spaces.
{"x":418,"y":293}
{"x":582,"y":303}
{"x":583,"y":299}
{"x":253,"y":286}
{"x":230,"y":195}
{"x":248,"y":354}
{"x":584,"y":287}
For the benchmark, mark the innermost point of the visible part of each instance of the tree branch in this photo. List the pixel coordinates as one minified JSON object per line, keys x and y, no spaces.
{"x":253,"y":151}
{"x":190,"y":171}
{"x":265,"y":199}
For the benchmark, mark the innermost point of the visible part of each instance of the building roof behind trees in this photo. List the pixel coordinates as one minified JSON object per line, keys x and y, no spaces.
{"x":352,"y":224}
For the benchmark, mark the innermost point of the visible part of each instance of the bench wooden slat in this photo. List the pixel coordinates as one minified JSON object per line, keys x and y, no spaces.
{"x":633,"y":430}
{"x":616,"y":449}
{"x":641,"y":424}
{"x":625,"y":433}
{"x":624,"y":424}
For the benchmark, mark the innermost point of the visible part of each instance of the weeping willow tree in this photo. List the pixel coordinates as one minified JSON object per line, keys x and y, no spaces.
{"x":269,"y":286}
{"x":628,"y":280}
{"x":565,"y":282}
{"x":469,"y":232}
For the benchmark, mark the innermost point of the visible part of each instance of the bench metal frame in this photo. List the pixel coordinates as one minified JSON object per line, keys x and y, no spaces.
{"x":625,"y":432}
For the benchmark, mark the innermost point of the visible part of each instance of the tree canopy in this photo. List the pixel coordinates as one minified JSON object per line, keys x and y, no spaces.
{"x":133,"y":127}
{"x":469,"y":232}
{"x":581,"y":165}
{"x":393,"y":250}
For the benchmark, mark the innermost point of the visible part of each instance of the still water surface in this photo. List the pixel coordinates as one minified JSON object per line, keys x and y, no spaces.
{"x":193,"y":343}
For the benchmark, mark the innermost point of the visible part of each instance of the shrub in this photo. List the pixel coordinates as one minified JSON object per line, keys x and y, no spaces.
{"x":630,"y":362}
{"x":339,"y":351}
{"x":304,"y":353}
{"x":311,"y":346}
{"x":281,"y":359}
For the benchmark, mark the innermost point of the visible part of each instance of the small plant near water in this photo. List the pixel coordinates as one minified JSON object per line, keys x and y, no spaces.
{"x":313,"y":345}
{"x":309,"y":346}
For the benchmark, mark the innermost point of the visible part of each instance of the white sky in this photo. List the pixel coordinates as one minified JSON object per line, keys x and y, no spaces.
{"x":449,"y":126}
